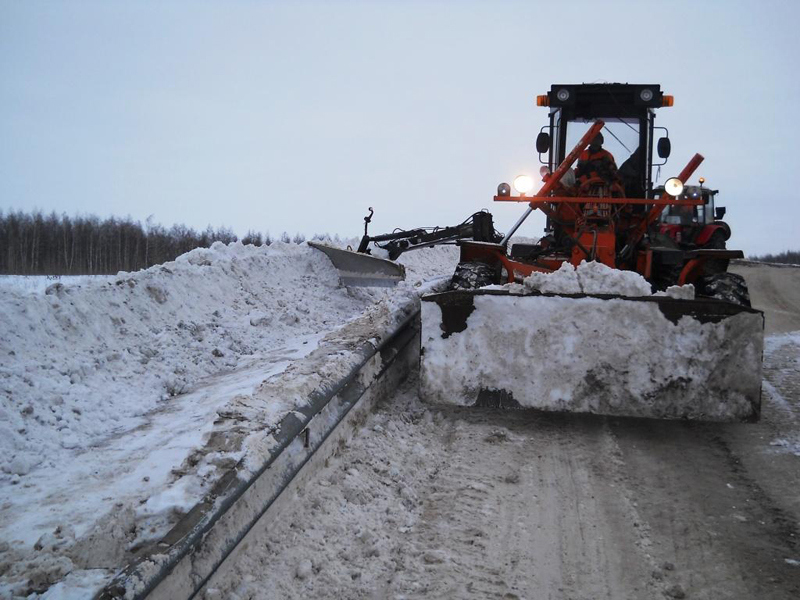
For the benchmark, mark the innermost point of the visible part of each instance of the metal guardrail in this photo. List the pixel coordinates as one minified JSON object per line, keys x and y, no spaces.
{"x":189,"y":555}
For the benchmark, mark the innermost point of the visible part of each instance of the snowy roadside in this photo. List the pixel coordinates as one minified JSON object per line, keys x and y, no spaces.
{"x":243,"y":334}
{"x":112,"y":388}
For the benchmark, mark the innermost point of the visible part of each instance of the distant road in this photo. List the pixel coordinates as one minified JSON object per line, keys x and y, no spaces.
{"x":775,"y":290}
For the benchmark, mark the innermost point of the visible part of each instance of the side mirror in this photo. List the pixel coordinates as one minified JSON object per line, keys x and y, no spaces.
{"x":664,"y":148}
{"x":719,"y":213}
{"x":543,"y":142}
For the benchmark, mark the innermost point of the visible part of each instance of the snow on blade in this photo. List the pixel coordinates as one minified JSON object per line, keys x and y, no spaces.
{"x":610,"y":356}
{"x":589,"y":278}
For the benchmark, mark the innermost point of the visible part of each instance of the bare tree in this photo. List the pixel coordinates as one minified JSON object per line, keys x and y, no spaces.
{"x":32,"y":244}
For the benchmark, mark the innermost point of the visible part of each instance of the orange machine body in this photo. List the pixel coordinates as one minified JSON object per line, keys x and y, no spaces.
{"x":599,"y":226}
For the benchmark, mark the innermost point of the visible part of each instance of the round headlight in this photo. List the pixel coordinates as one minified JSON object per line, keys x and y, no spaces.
{"x":646,"y":95}
{"x":563,"y":94}
{"x":674,"y":187}
{"x":523,"y":184}
{"x":503,"y":189}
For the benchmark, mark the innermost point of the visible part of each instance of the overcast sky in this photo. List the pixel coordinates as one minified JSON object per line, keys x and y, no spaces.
{"x":297,"y":116}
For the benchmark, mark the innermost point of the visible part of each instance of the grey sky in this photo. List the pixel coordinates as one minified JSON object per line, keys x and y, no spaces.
{"x":297,"y":116}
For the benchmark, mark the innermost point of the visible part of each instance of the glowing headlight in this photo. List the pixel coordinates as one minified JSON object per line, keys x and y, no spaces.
{"x":693,"y":192}
{"x":523,"y":184}
{"x":674,"y":187}
{"x":503,"y":189}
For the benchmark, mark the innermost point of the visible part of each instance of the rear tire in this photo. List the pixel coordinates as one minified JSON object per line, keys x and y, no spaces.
{"x":472,"y":275}
{"x":725,"y":286}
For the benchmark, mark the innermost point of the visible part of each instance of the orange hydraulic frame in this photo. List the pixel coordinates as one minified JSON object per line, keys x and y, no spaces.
{"x":594,"y":237}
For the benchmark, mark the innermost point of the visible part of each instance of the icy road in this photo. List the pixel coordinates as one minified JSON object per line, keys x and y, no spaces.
{"x":466,"y":503}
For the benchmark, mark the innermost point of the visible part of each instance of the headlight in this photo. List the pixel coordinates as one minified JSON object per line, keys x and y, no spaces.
{"x":646,"y":95}
{"x":674,"y":187}
{"x":503,"y":189}
{"x":562,"y":95}
{"x":523,"y":184}
{"x":693,"y":192}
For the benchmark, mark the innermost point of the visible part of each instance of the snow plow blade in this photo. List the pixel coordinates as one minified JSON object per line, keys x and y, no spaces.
{"x":654,"y":357}
{"x":362,"y":270}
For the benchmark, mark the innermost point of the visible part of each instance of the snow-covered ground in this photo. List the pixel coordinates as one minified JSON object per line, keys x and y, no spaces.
{"x":109,"y":386}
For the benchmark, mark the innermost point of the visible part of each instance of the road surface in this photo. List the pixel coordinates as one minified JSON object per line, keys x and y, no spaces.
{"x":464,"y":503}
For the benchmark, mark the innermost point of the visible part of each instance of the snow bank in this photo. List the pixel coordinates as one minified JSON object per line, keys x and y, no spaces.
{"x":112,"y":390}
{"x":108,"y":387}
{"x":81,"y":363}
{"x":608,"y":356}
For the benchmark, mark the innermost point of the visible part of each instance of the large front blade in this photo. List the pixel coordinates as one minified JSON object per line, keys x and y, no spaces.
{"x":645,"y":357}
{"x":362,"y":270}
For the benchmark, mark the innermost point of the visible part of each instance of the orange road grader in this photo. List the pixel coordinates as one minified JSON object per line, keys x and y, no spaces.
{"x":489,"y":341}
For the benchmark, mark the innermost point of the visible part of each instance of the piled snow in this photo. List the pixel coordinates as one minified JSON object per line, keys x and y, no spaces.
{"x":589,"y":278}
{"x":429,"y":263}
{"x":111,"y":389}
{"x":82,"y":363}
{"x":607,"y":356}
{"x":679,"y":292}
{"x":593,"y":278}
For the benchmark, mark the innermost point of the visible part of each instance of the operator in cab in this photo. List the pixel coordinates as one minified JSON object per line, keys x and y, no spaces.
{"x":597,"y":162}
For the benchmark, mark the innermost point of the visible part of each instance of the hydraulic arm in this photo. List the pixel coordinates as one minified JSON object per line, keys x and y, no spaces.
{"x":479,"y":227}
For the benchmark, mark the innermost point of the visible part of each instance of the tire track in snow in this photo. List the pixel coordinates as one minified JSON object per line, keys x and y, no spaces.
{"x":458,"y":503}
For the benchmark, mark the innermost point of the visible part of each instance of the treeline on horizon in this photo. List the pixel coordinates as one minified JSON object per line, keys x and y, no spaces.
{"x":790,"y":257}
{"x":38,"y":244}
{"x":35,"y":244}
